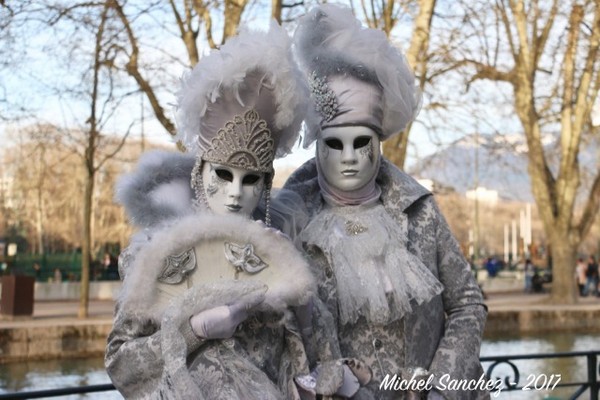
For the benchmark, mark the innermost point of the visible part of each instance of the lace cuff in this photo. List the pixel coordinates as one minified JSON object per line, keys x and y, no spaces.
{"x":192,"y":341}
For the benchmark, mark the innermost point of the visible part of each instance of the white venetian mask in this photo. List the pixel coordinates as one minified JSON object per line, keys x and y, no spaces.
{"x":348,"y":156}
{"x":231,"y":190}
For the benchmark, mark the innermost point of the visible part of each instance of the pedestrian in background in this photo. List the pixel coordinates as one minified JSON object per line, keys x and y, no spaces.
{"x":529,"y":274}
{"x":591,"y":275}
{"x":580,"y":269}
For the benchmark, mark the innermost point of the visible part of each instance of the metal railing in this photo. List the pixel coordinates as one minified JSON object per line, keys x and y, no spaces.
{"x":543,"y":381}
{"x":38,"y":394}
{"x":511,"y":382}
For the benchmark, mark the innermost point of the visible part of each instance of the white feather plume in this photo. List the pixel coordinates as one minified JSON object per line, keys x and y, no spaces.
{"x":331,"y":41}
{"x":226,"y":67}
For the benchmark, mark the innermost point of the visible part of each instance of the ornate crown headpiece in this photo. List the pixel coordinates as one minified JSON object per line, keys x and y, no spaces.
{"x":254,"y":71}
{"x":245,"y":142}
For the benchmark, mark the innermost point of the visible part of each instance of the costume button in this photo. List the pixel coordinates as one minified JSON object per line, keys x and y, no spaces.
{"x":377,"y":344}
{"x":328,"y":272}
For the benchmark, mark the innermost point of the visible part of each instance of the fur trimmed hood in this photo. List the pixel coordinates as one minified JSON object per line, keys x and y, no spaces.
{"x":158,"y":189}
{"x":292,"y":284}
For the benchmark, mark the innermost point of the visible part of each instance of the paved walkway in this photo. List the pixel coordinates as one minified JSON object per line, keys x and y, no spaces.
{"x":523,"y":301}
{"x":47,"y":313}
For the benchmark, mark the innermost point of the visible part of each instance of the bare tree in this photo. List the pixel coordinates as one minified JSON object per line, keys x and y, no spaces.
{"x":188,"y":18}
{"x":102,"y":98}
{"x":548,"y":54}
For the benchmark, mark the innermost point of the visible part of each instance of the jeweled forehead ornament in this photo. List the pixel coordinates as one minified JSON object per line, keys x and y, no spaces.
{"x":244,"y":142}
{"x":324,"y":99}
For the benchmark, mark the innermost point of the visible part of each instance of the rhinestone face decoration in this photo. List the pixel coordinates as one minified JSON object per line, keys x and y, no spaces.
{"x":325,"y":100}
{"x":246,"y":142}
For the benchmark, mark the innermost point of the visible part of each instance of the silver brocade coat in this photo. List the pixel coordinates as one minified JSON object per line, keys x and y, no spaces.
{"x":152,"y":351}
{"x":442,"y":336}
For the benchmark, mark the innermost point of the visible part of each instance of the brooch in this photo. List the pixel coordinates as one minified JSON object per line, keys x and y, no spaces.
{"x":355,"y":228}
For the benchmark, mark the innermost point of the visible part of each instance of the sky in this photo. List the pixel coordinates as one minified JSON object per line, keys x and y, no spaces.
{"x":35,"y":85}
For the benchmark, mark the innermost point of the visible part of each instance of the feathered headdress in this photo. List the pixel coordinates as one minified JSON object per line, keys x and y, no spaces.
{"x":356,"y":75}
{"x":243,"y":104}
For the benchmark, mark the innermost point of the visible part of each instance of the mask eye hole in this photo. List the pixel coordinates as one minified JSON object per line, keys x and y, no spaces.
{"x":361,"y":142}
{"x":250,"y":179}
{"x":224,"y":174}
{"x":335,"y":144}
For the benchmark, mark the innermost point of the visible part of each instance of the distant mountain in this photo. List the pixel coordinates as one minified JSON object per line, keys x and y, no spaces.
{"x":502,"y":166}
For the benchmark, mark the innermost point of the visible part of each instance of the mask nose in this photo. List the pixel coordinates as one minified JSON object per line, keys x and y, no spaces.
{"x":349,"y":155}
{"x":235,"y":190}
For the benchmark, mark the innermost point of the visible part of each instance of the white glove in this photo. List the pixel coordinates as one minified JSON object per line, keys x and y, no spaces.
{"x":221,"y":322}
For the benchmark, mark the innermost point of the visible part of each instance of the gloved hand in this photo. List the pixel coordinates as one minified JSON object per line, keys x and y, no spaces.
{"x":221,"y":322}
{"x":331,"y":378}
{"x":350,"y":384}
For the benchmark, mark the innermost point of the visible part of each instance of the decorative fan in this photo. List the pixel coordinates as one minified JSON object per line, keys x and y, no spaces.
{"x":205,"y":249}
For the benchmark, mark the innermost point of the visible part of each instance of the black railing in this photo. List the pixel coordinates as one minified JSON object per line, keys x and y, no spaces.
{"x":38,"y":394}
{"x":511,"y":382}
{"x":546,"y":381}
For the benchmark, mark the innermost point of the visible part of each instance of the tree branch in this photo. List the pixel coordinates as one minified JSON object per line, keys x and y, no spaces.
{"x":540,"y":41}
{"x":591,"y":209}
{"x":204,"y":14}
{"x":569,"y":138}
{"x":509,"y":35}
{"x":524,"y":54}
{"x":583,"y":105}
{"x":488,"y":72}
{"x":133,"y":70}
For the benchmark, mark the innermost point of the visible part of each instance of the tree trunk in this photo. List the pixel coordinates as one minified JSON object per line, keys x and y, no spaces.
{"x":90,"y":168}
{"x":395,"y":148}
{"x":86,"y":245}
{"x":564,"y":256}
{"x":233,"y":16}
{"x":39,"y":223}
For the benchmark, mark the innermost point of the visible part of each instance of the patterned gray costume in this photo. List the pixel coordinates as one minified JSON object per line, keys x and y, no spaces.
{"x":442,"y":335}
{"x":152,"y":351}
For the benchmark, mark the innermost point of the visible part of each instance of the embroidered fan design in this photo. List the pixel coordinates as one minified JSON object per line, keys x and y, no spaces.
{"x":243,"y":258}
{"x":178,"y":267}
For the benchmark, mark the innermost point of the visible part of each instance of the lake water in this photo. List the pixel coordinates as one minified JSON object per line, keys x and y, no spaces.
{"x":29,"y":376}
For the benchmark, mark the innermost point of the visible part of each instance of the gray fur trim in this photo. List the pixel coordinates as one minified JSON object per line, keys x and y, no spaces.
{"x":140,"y":191}
{"x":294,"y":286}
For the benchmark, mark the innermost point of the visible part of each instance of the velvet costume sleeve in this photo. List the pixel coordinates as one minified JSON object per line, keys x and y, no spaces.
{"x":457,"y":354}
